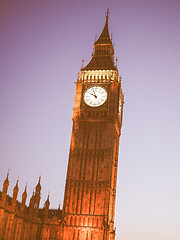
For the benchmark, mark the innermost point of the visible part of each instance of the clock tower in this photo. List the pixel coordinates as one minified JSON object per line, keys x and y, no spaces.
{"x":89,"y":200}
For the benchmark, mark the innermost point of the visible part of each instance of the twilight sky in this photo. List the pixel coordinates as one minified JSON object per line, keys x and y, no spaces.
{"x":42,"y":44}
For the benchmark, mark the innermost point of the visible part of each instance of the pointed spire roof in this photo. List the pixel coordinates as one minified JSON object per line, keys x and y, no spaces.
{"x":5,"y":185}
{"x":24,"y":196}
{"x":16,"y":188}
{"x":6,"y":181}
{"x":15,"y":192}
{"x":38,"y":186}
{"x":32,"y":199}
{"x":103,"y":55}
{"x":25,"y":191}
{"x":47,"y":203}
{"x":104,"y":38}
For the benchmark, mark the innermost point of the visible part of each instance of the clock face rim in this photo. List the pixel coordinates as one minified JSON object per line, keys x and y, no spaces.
{"x":100,"y":104}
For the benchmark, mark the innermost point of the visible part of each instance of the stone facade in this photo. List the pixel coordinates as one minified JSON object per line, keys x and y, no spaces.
{"x":90,"y":191}
{"x":21,"y":222}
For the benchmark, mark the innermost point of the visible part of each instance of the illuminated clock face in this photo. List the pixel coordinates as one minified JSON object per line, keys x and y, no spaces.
{"x":95,"y":96}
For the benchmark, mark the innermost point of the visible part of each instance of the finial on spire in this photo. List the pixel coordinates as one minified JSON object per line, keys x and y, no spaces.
{"x":48,"y":196}
{"x":17,"y":181}
{"x":82,"y":63}
{"x":25,"y":189}
{"x":95,"y":37}
{"x":40,"y":178}
{"x":7,"y":177}
{"x":38,"y":187}
{"x":116,"y":61}
{"x":107,"y":14}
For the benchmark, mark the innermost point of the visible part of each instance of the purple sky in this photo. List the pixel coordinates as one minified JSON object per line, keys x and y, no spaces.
{"x":42,"y":44}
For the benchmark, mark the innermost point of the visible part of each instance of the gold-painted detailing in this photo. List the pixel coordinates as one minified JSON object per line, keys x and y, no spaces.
{"x":99,"y":76}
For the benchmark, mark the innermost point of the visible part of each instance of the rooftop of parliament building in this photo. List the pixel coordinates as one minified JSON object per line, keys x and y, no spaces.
{"x":11,"y":204}
{"x":16,"y":216}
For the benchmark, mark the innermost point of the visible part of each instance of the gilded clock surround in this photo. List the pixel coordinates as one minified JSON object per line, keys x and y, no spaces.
{"x":95,"y":96}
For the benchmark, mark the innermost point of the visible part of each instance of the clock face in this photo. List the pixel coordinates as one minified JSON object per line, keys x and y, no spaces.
{"x":95,"y":96}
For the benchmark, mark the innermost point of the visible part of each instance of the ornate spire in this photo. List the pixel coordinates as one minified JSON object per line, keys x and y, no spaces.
{"x":6,"y":183}
{"x":15,"y":193}
{"x":47,"y":203}
{"x":104,"y":38}
{"x":24,"y":196}
{"x":5,"y":188}
{"x":16,"y":188}
{"x":103,"y":56}
{"x":38,"y":186}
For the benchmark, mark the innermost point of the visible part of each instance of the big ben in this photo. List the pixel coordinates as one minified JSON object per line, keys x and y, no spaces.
{"x":90,"y":191}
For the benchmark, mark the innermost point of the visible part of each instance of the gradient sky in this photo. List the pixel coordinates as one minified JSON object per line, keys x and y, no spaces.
{"x":42,"y":44}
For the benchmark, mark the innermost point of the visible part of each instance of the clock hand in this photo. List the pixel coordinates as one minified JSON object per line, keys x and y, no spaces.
{"x":94,"y":95}
{"x":94,"y":91}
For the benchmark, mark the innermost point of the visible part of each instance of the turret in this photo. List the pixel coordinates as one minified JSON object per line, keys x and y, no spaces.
{"x":58,"y":213}
{"x":46,"y":208}
{"x":15,"y":193}
{"x":35,"y":199}
{"x":47,"y":203}
{"x":24,"y":196}
{"x":38,"y":187}
{"x":5,"y":188}
{"x":37,"y":196}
